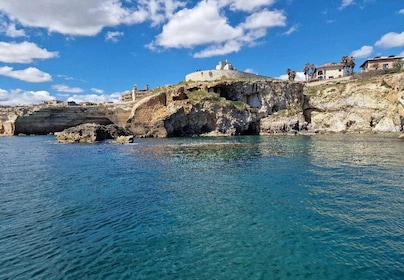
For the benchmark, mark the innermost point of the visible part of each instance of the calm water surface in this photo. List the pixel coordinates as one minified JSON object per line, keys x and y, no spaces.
{"x":321,"y":207}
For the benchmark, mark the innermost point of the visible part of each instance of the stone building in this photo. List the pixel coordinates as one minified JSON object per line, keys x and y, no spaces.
{"x":130,"y":96}
{"x":224,"y":71}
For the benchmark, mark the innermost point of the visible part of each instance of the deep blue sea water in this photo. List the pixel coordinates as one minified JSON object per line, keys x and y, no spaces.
{"x":319,"y":207}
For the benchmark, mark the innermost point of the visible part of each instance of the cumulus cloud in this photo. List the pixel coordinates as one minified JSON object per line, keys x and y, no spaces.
{"x":202,"y":24}
{"x":95,"y":98}
{"x":89,"y":17}
{"x":65,"y":88}
{"x":21,"y":97}
{"x":206,"y":25}
{"x":214,"y":50}
{"x":364,"y":51}
{"x":25,"y":52}
{"x":30,"y":74}
{"x":391,"y":40}
{"x":113,"y":36}
{"x":265,"y":19}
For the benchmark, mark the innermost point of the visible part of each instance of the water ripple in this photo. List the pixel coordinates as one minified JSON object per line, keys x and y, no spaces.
{"x":323,"y":207}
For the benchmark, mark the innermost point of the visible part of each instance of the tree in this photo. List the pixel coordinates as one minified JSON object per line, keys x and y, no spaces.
{"x":309,"y":70}
{"x":398,"y":64}
{"x":348,"y":63}
{"x":291,"y":74}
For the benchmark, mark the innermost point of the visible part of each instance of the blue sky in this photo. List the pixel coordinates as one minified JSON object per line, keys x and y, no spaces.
{"x":94,"y":50}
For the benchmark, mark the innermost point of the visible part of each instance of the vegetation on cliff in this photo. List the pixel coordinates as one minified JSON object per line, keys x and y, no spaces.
{"x":234,"y":107}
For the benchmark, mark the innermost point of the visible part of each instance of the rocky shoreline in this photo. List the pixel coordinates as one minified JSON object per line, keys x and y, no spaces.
{"x":224,"y":108}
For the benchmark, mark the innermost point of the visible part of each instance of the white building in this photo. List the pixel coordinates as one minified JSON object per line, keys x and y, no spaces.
{"x":330,"y":71}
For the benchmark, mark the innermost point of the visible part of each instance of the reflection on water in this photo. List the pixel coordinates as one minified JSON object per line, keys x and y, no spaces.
{"x":321,"y":207}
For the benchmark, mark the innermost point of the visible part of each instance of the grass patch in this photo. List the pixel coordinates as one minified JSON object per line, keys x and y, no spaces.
{"x":200,"y":95}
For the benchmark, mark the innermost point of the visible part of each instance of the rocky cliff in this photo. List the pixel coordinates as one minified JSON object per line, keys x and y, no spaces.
{"x":45,"y":119}
{"x":217,"y":108}
{"x":233,"y":107}
{"x":368,"y":105}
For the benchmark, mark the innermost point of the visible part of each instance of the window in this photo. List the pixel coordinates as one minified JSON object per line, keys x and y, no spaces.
{"x":386,"y":66}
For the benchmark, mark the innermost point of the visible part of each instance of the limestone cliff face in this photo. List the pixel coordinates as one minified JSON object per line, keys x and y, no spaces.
{"x":41,"y":119}
{"x":371,"y":105}
{"x":235,"y":107}
{"x":218,"y":108}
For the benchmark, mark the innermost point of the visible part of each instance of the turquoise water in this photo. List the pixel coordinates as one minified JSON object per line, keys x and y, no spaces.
{"x":320,"y":207}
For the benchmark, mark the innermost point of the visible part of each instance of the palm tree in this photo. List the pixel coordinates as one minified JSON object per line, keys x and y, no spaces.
{"x":309,"y":70}
{"x":291,"y":74}
{"x":348,"y":62}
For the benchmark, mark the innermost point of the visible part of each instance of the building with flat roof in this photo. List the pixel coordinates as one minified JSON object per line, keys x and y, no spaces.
{"x":223,"y":71}
{"x":380,"y":63}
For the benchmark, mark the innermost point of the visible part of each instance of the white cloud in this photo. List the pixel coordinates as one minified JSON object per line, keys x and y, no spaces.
{"x":113,"y":36}
{"x":30,"y":74}
{"x":265,"y":19}
{"x":250,"y":70}
{"x":65,"y":88}
{"x":291,"y":30}
{"x":206,"y":25}
{"x":21,"y":97}
{"x":24,"y":52}
{"x":97,"y":90}
{"x":346,"y":3}
{"x":299,"y":77}
{"x":89,"y":17}
{"x":249,"y":5}
{"x":364,"y":51}
{"x":391,"y":40}
{"x":228,"y":47}
{"x":401,"y":11}
{"x":95,"y":98}
{"x":158,"y":11}
{"x":11,"y":30}
{"x":402,"y":53}
{"x":200,"y":25}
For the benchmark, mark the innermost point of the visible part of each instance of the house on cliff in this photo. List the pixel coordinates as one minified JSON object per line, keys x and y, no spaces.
{"x":330,"y":71}
{"x":380,"y":63}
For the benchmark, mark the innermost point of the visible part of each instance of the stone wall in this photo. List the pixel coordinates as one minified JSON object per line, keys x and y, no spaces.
{"x":214,"y":75}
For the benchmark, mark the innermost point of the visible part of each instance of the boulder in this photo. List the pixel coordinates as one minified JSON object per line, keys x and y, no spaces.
{"x":90,"y":133}
{"x":124,"y":139}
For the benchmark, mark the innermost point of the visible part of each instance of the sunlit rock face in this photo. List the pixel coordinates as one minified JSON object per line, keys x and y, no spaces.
{"x":368,"y":105}
{"x":45,"y":119}
{"x":233,"y":107}
{"x":212,"y":108}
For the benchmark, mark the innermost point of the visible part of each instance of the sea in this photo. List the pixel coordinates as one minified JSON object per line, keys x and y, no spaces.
{"x":250,"y":207}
